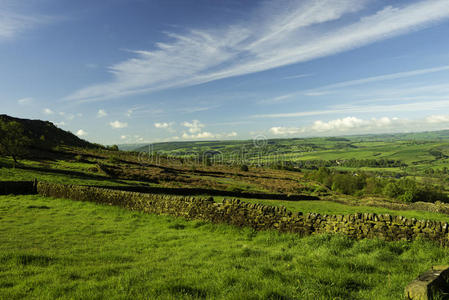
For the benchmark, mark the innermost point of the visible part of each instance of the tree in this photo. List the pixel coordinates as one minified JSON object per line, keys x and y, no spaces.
{"x":13,"y":142}
{"x":392,"y":190}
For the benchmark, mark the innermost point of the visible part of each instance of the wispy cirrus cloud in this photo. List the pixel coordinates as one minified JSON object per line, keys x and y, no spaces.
{"x":194,"y":109}
{"x":328,"y":88}
{"x":14,"y":22}
{"x":278,"y":99}
{"x":25,"y":101}
{"x":297,"y":76}
{"x":436,"y":105}
{"x":391,"y":92}
{"x":295,"y":32}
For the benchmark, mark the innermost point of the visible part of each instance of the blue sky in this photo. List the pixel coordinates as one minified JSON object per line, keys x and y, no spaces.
{"x":133,"y":71}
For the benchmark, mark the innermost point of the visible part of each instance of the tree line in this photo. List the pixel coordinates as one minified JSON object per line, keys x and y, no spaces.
{"x":363,"y":184}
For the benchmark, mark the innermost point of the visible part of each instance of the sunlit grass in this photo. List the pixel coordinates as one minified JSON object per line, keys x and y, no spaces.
{"x":55,"y":248}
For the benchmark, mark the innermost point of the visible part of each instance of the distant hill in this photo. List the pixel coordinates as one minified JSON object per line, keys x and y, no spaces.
{"x":45,"y":134}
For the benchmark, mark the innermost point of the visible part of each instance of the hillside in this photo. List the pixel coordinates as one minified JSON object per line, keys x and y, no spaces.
{"x":45,"y":134}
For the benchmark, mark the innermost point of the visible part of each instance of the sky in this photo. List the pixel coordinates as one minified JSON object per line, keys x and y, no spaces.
{"x":136,"y":71}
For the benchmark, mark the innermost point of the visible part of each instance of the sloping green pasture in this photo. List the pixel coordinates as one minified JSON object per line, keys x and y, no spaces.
{"x":56,"y":248}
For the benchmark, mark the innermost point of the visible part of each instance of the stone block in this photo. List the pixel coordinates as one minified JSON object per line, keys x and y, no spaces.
{"x":432,"y":284}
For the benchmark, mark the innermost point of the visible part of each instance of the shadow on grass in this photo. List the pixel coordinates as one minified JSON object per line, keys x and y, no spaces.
{"x":26,"y":259}
{"x":38,"y":206}
{"x":186,"y":290}
{"x":72,"y":174}
{"x":209,"y":192}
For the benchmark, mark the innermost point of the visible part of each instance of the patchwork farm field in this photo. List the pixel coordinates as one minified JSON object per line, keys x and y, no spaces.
{"x":57,"y":248}
{"x":417,"y":150}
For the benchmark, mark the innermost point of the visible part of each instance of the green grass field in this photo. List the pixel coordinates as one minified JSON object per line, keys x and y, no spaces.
{"x":56,"y":248}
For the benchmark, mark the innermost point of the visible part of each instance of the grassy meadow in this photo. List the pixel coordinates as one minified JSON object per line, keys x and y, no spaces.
{"x":56,"y":248}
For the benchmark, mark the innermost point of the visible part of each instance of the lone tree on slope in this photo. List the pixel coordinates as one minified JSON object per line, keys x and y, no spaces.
{"x":13,"y":142}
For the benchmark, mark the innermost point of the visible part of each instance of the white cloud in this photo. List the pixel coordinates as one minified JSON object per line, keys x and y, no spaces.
{"x":48,"y":111}
{"x":201,"y":135}
{"x":355,"y":125}
{"x":165,"y":125}
{"x":194,"y":127}
{"x":294,"y":33}
{"x":195,"y":131}
{"x":436,"y":119}
{"x":208,"y":135}
{"x":161,"y":125}
{"x":123,"y":137}
{"x":118,"y":124}
{"x":339,"y":124}
{"x":345,"y":125}
{"x":286,"y":130}
{"x":60,"y":124}
{"x":81,"y":133}
{"x":101,"y":113}
{"x":25,"y":101}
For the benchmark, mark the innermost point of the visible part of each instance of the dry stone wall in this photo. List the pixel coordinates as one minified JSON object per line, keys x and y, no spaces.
{"x":258,"y":216}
